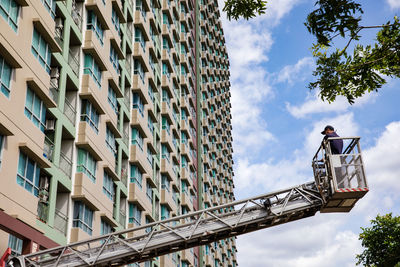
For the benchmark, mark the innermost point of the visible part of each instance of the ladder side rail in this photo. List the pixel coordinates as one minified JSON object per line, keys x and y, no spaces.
{"x":292,"y":198}
{"x":213,"y":227}
{"x":177,"y":218}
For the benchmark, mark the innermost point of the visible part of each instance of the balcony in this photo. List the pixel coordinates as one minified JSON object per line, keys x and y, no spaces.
{"x":48,"y":149}
{"x":124,"y":176}
{"x":76,"y":16}
{"x":69,"y":111}
{"x":65,"y":164}
{"x":73,"y":61}
{"x":54,"y":90}
{"x":60,"y":222}
{"x":122,"y":218}
{"x":42,"y":211}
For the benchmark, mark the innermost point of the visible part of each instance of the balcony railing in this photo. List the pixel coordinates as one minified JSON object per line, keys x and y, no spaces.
{"x":48,"y":149}
{"x":76,"y":16}
{"x":60,"y":222}
{"x":122,"y":218}
{"x":69,"y":111}
{"x":125,"y":138}
{"x":73,"y":62}
{"x":53,"y":91}
{"x":59,"y":36}
{"x":65,"y":164}
{"x":124,"y":176}
{"x":42,"y":212}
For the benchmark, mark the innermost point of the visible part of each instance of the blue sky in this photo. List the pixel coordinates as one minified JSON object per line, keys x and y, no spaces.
{"x":276,"y":130}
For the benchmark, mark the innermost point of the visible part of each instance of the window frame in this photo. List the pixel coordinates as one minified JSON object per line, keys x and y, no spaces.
{"x":13,"y":22}
{"x":23,"y":178}
{"x":84,"y":218}
{"x":5,"y":88}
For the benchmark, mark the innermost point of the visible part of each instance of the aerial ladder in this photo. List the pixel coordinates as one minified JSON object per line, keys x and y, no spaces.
{"x":339,"y":183}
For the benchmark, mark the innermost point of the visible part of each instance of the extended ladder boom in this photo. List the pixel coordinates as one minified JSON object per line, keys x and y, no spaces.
{"x":182,"y":232}
{"x":339,"y":183}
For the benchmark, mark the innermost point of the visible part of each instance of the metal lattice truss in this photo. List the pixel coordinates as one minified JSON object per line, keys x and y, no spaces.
{"x":182,"y":232}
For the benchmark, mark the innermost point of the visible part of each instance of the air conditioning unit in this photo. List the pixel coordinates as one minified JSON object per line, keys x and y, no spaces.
{"x":59,"y":24}
{"x":44,"y":183}
{"x":50,"y":125}
{"x":54,"y":73}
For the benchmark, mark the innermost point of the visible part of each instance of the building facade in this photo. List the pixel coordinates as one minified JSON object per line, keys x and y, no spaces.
{"x":113,"y":114}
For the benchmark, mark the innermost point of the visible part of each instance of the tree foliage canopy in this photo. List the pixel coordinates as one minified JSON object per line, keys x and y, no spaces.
{"x":246,"y":9}
{"x":338,"y":71}
{"x":381,"y":242}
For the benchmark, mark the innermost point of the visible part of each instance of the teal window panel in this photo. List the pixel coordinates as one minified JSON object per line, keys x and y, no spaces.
{"x":28,"y":174}
{"x":92,"y":68}
{"x":41,"y":50}
{"x":9,"y":10}
{"x":83,"y":217}
{"x":93,"y":24}
{"x":35,"y":110}
{"x":5,"y":77}
{"x":86,"y":164}
{"x":90,"y":115}
{"x":136,"y":175}
{"x":135,"y":214}
{"x":108,"y":186}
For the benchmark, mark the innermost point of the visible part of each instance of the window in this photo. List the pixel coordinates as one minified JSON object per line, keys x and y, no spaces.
{"x":164,"y":212}
{"x":15,"y":244}
{"x":165,"y":124}
{"x":165,"y":182}
{"x":150,"y":156}
{"x":9,"y":10}
{"x":149,"y":192}
{"x":86,"y":164}
{"x":108,"y":186}
{"x":114,"y":58}
{"x":115,"y":21}
{"x":138,"y":69}
{"x":28,"y":174}
{"x":165,"y":70}
{"x":164,"y":152}
{"x":110,"y":141}
{"x":92,"y":68}
{"x":151,"y":93}
{"x":41,"y":50}
{"x":112,"y":99}
{"x":137,"y":103}
{"x":136,"y":176}
{"x":148,"y":229}
{"x":135,"y":214}
{"x":137,"y":138}
{"x":50,"y":5}
{"x":139,"y":38}
{"x":5,"y":77}
{"x":90,"y":115}
{"x":83,"y":217}
{"x":166,"y":44}
{"x":93,"y":23}
{"x":35,"y":109}
{"x":105,"y":228}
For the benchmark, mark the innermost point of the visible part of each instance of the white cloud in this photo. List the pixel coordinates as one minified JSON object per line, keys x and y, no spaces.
{"x":314,"y":104}
{"x":296,"y":72}
{"x":394,"y":4}
{"x":309,"y":242}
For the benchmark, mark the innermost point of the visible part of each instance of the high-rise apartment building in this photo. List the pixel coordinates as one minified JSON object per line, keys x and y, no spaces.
{"x":113,"y":114}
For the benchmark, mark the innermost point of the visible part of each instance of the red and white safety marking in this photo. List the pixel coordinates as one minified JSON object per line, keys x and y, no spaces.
{"x":352,"y":189}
